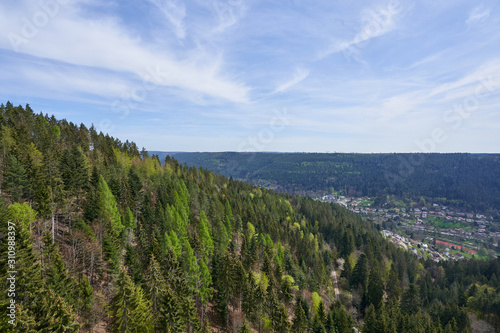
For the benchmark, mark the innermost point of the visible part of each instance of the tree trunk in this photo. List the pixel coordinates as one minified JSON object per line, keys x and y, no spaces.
{"x":53,"y":228}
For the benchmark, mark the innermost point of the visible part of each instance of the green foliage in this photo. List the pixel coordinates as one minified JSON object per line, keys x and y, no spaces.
{"x":129,"y":310}
{"x":207,"y":244}
{"x":453,"y":176}
{"x":316,"y":300}
{"x":300,"y":322}
{"x":170,"y":319}
{"x":108,"y":209}
{"x":186,"y":249}
{"x":55,"y":270}
{"x":410,"y":302}
{"x":22,"y":214}
{"x":360,"y":272}
{"x":205,"y":289}
{"x":375,"y":289}
{"x":129,"y":221}
{"x":155,"y":284}
{"x":16,"y":179}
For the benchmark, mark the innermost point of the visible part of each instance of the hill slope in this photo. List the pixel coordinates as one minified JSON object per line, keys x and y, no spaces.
{"x":470,"y":181}
{"x":109,"y":238}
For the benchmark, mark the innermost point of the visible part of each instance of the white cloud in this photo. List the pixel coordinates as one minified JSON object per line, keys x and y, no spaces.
{"x":175,"y":12}
{"x":70,"y":38}
{"x":376,"y":22}
{"x":228,"y":13}
{"x":478,"y":14}
{"x":489,"y":72}
{"x":300,"y":75}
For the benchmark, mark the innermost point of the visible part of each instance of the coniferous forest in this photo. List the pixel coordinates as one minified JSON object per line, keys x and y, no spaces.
{"x":109,"y":239}
{"x":468,"y":181}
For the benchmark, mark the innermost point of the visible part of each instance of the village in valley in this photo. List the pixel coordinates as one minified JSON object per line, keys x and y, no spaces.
{"x":429,"y":231}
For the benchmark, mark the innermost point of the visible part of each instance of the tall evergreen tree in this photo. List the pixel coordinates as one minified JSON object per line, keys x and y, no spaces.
{"x":130,"y":311}
{"x":108,"y":209}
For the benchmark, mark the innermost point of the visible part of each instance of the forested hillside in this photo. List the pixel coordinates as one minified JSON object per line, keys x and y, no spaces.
{"x":110,"y":239}
{"x":463,"y":180}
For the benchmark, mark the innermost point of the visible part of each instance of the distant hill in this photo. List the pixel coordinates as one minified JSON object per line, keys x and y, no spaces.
{"x":465,"y":180}
{"x":95,"y":236}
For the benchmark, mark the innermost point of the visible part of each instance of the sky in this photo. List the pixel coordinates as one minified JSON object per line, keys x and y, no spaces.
{"x":249,"y":75}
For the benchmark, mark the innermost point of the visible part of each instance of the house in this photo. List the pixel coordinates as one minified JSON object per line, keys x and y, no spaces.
{"x":386,"y":233}
{"x":424,"y":215}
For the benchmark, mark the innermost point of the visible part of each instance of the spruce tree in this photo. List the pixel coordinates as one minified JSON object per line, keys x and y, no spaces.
{"x":130,"y":311}
{"x":410,"y":303}
{"x":170,"y":319}
{"x":16,"y":179}
{"x":375,"y":289}
{"x":299,"y":323}
{"x":207,"y":244}
{"x":55,"y":270}
{"x":155,"y":284}
{"x":108,"y":209}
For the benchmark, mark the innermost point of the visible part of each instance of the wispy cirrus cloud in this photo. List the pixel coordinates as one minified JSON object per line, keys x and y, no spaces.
{"x":376,"y":21}
{"x":175,"y":12}
{"x":211,"y":73}
{"x":478,"y":14}
{"x":105,"y":44}
{"x":299,"y":75}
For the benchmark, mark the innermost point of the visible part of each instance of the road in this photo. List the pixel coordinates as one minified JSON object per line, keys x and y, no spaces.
{"x":335,"y":284}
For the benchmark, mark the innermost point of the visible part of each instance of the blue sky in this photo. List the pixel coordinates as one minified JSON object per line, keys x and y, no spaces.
{"x":249,"y":75}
